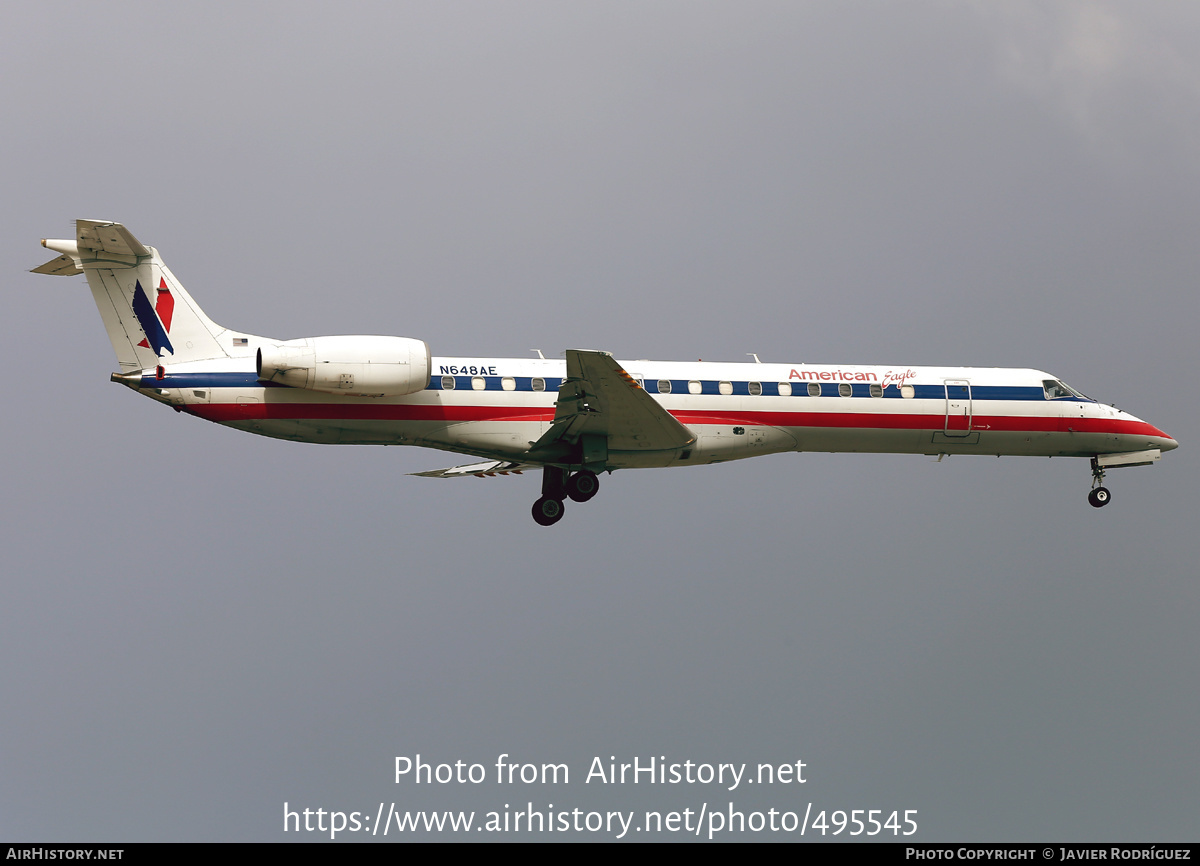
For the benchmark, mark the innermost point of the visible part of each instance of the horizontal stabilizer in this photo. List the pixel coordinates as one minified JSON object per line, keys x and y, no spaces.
{"x":108,"y":237}
{"x":480,"y":470}
{"x":63,"y":266}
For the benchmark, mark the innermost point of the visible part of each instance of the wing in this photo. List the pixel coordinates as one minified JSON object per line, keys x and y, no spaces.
{"x":598,"y":398}
{"x":480,"y":470}
{"x":601,"y":401}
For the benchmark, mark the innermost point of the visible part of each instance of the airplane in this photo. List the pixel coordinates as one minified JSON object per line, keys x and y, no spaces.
{"x":575,"y":418}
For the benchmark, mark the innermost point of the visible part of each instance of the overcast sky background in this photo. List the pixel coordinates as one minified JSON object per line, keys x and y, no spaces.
{"x":197,"y":625}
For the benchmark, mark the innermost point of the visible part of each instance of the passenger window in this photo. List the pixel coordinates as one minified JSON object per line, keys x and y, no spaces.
{"x":725,"y":388}
{"x":876,"y":390}
{"x":478,"y":383}
{"x":845,"y":390}
{"x":537,"y":383}
{"x":755,"y":388}
{"x":508,"y":383}
{"x":664,"y":386}
{"x":447,"y":383}
{"x":694,"y":387}
{"x":814,"y":390}
{"x":908,"y":392}
{"x":785,"y":389}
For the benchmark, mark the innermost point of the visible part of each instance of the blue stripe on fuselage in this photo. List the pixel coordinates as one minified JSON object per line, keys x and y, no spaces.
{"x":709,"y":387}
{"x":208,"y":380}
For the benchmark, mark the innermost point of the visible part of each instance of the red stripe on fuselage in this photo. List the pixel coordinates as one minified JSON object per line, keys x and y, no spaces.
{"x":889,"y":421}
{"x":362,"y":412}
{"x":848,"y":420}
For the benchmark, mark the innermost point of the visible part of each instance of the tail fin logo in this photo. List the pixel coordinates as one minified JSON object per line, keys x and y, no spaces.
{"x":156,"y":320}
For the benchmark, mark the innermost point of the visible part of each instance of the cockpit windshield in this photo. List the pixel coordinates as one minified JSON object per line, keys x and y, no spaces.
{"x":1056,"y":389}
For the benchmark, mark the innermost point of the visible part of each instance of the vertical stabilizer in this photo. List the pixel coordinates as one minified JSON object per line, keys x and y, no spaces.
{"x":150,"y":318}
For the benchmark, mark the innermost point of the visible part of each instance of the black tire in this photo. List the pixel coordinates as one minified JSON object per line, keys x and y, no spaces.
{"x":547,"y":511}
{"x":583,"y":485}
{"x":1099,"y":497}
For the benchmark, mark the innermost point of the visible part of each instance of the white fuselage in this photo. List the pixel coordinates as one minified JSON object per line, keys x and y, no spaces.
{"x":498,"y":407}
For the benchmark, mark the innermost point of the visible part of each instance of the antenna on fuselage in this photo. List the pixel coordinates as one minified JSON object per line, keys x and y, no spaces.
{"x":540,"y":355}
{"x":754,"y":355}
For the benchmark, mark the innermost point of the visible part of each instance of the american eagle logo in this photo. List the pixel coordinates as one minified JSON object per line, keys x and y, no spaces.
{"x":156,"y":320}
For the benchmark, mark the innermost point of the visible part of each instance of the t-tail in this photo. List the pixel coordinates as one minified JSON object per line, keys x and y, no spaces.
{"x":150,"y":318}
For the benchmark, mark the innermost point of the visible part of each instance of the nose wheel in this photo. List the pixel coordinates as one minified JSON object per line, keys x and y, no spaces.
{"x":1099,"y":497}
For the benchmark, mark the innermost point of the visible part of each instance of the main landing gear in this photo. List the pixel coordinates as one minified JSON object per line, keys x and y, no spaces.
{"x":557,"y":486}
{"x":1099,"y":496}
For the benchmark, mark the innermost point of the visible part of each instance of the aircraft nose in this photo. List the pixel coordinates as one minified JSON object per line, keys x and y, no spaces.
{"x":1154,"y":437}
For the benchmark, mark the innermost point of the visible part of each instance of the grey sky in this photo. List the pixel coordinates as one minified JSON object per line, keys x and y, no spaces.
{"x":198,"y":625}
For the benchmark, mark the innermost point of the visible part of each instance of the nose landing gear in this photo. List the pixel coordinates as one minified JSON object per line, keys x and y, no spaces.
{"x":1099,"y":497}
{"x":557,"y":486}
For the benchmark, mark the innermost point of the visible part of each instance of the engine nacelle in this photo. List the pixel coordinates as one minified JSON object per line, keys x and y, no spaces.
{"x":354,"y":366}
